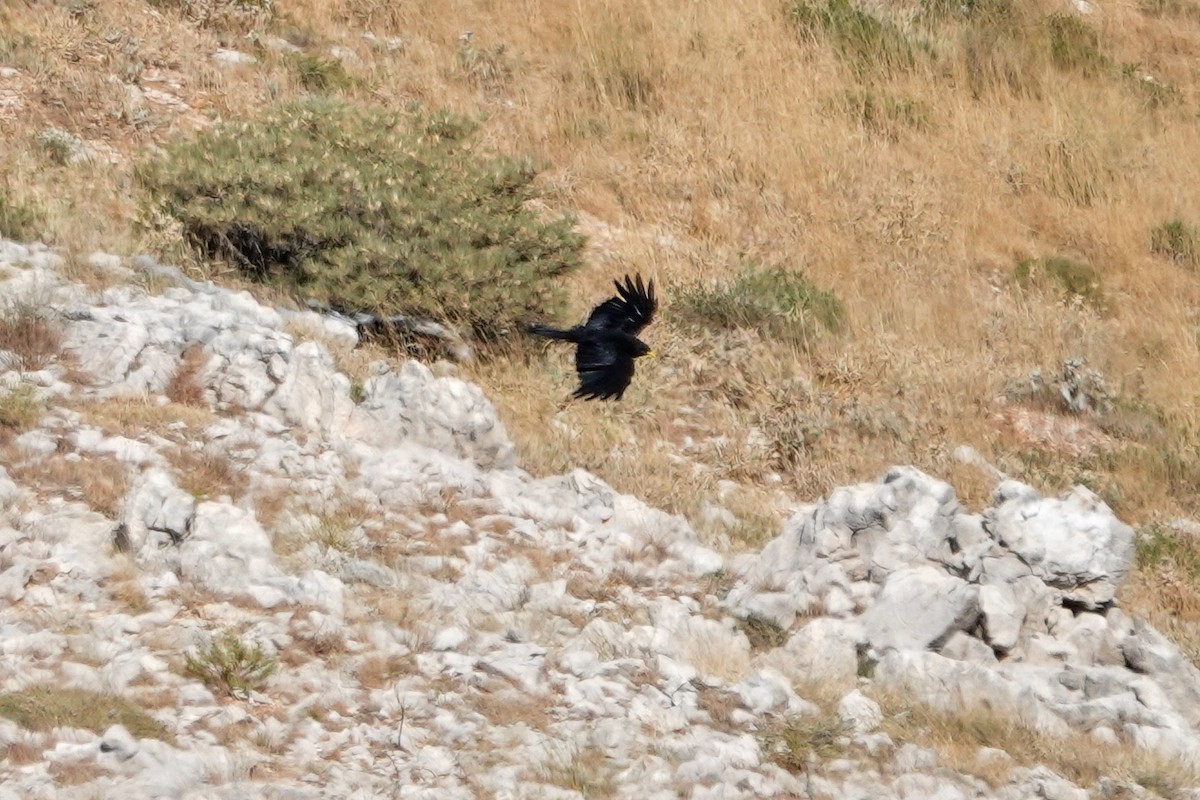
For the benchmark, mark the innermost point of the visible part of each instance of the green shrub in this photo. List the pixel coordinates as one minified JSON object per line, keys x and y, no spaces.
{"x":228,"y":664}
{"x":1075,"y":279}
{"x":1178,"y":241}
{"x":865,"y":42}
{"x":775,"y":301}
{"x":370,"y":211}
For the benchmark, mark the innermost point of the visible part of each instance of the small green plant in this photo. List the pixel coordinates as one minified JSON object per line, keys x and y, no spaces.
{"x":1178,"y":241}
{"x":1074,"y":45}
{"x":367,"y":210}
{"x":321,"y":73}
{"x":228,"y":664}
{"x":61,"y":147}
{"x":486,"y":67}
{"x":19,"y":220}
{"x":798,"y":742}
{"x":44,"y":708}
{"x":866,"y":43}
{"x":19,"y":408}
{"x":1157,"y":546}
{"x":777,"y":302}
{"x":1075,"y":279}
{"x":762,"y":632}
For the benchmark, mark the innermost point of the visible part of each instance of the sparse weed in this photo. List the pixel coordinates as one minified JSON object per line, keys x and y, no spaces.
{"x":230,"y":665}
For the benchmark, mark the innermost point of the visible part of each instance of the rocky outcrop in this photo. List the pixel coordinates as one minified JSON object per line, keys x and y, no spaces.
{"x":447,"y":625}
{"x":1010,"y":610}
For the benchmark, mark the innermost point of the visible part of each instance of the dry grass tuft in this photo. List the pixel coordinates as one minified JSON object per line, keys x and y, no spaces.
{"x":100,"y":482}
{"x":185,"y":388}
{"x":376,"y":672}
{"x":74,"y":773}
{"x":43,"y":708}
{"x":32,"y":340}
{"x":135,"y":415}
{"x":958,"y":737}
{"x":207,"y":474}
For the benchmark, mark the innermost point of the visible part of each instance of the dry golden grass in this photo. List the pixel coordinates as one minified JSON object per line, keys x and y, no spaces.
{"x":376,"y":672}
{"x":137,"y":414}
{"x":208,"y":474}
{"x":958,"y":737}
{"x":123,"y":586}
{"x":185,"y":388}
{"x":100,"y":482}
{"x":73,"y":773}
{"x":20,"y":753}
{"x":43,"y":708}
{"x":503,"y":705}
{"x":32,"y":339}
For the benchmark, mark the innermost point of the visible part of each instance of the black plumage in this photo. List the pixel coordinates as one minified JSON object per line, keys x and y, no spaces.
{"x":607,"y":344}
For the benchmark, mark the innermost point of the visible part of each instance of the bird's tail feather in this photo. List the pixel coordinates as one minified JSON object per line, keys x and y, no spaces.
{"x":552,"y":333}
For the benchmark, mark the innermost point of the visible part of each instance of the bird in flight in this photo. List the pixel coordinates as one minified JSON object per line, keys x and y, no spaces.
{"x":607,"y":344}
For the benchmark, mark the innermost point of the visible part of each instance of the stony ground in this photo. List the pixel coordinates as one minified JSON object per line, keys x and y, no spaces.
{"x":232,"y":566}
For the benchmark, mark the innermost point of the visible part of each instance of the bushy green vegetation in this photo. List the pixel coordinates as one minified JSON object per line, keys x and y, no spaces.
{"x":777,"y":302}
{"x":369,"y":210}
{"x":228,"y":664}
{"x":1075,"y":279}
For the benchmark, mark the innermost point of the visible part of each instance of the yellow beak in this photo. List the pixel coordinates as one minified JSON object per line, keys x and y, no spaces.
{"x":651,"y":354}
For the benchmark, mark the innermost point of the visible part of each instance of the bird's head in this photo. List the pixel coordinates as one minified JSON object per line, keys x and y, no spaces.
{"x":642,"y":350}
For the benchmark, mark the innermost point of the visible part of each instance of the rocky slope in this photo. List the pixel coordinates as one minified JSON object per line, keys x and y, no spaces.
{"x":446,"y":625}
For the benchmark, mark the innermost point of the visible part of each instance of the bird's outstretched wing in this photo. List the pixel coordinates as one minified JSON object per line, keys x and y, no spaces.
{"x":604,"y":372}
{"x":630,"y":311}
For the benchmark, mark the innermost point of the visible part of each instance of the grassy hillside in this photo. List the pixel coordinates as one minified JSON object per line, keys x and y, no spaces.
{"x":982,"y":219}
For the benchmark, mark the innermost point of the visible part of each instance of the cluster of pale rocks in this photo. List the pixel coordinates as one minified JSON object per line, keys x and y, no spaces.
{"x":554,"y":639}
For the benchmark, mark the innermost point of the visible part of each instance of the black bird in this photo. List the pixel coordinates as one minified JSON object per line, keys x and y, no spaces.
{"x":607,"y":343}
